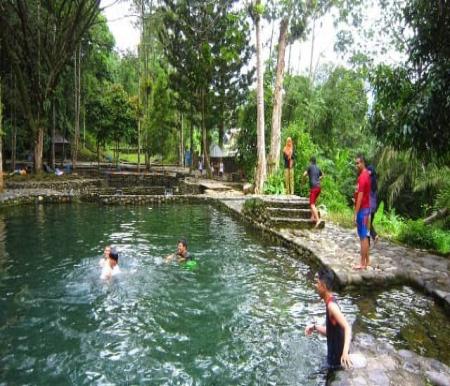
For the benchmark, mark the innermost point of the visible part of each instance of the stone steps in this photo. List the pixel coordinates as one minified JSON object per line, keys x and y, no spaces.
{"x":294,"y":223}
{"x":292,"y":203}
{"x":289,"y":212}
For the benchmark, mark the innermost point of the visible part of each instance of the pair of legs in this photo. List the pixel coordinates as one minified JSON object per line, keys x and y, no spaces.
{"x":289,"y":180}
{"x":363,"y":228}
{"x":373,"y":232}
{"x":313,"y":195}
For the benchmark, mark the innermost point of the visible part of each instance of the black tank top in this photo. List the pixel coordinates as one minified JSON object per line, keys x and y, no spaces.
{"x":335,"y":339}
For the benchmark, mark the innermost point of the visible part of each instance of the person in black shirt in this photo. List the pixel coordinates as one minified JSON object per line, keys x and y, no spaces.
{"x":337,"y":330}
{"x":315,"y":175}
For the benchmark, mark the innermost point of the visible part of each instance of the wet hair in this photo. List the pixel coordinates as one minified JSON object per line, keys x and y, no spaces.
{"x":313,"y":160}
{"x":326,"y":276}
{"x":114,"y":255}
{"x":183,"y":242}
{"x":360,"y":156}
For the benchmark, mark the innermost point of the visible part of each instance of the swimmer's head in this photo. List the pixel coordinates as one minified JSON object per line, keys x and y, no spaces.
{"x":107,"y":251}
{"x":182,"y":246}
{"x":114,"y":255}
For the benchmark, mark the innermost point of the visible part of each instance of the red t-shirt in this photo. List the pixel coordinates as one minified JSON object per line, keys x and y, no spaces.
{"x":363,"y":185}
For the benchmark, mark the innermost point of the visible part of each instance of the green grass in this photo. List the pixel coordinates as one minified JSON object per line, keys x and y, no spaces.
{"x":390,"y":225}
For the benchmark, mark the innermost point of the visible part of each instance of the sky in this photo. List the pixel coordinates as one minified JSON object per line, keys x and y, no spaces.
{"x":122,"y":21}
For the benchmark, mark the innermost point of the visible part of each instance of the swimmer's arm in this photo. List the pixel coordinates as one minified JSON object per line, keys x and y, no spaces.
{"x":170,"y":257}
{"x":322,"y":330}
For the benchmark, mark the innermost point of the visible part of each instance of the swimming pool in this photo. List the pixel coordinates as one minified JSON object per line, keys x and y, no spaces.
{"x":238,"y":318}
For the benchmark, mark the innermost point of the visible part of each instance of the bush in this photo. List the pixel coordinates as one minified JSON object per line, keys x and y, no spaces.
{"x":418,"y":234}
{"x":275,"y":183}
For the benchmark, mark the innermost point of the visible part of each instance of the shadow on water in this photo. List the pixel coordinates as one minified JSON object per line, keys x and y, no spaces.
{"x":238,"y":318}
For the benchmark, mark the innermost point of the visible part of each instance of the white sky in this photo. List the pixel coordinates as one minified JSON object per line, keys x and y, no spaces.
{"x":121,"y":21}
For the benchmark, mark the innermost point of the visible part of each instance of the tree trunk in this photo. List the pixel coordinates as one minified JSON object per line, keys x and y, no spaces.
{"x":53,"y":134}
{"x":14,"y":130}
{"x":275,"y":139}
{"x":204,"y":137}
{"x":181,"y":141}
{"x":98,"y":156}
{"x":139,"y":145}
{"x":313,"y":38}
{"x":260,"y":176}
{"x":441,"y":213}
{"x":76,"y":137}
{"x":221,"y":126}
{"x":191,"y":141}
{"x":38,"y":148}
{"x":1,"y":134}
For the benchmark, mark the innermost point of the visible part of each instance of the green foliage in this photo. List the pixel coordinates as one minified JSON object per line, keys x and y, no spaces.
{"x":388,"y":222}
{"x":417,"y":234}
{"x":411,"y":109}
{"x":275,"y":183}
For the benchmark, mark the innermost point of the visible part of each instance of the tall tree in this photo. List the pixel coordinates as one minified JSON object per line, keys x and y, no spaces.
{"x":39,"y":39}
{"x":261,"y":172}
{"x":194,"y":36}
{"x":294,"y":15}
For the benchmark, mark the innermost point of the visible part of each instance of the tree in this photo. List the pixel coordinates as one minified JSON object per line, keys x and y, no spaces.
{"x":39,"y":38}
{"x":260,"y":175}
{"x":193,"y":38}
{"x":294,"y":15}
{"x":1,"y":138}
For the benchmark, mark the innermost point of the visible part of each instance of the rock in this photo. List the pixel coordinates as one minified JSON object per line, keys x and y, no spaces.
{"x":437,"y":378}
{"x":405,"y":354}
{"x":359,"y":381}
{"x":379,"y":378}
{"x":359,"y":361}
{"x":248,"y":188}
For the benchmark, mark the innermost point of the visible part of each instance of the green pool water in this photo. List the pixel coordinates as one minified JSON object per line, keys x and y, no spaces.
{"x":236,"y":319}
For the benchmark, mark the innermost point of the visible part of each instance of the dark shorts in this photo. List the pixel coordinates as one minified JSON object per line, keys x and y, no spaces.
{"x":363,"y":223}
{"x":313,"y":194}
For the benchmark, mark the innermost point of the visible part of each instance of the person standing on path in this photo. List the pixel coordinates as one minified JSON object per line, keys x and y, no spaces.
{"x":373,"y":201}
{"x":289,"y":158}
{"x":315,"y":175}
{"x":362,"y":211}
{"x":337,"y":330}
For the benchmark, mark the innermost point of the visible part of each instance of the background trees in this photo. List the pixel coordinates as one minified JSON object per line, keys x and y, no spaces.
{"x":38,"y":39}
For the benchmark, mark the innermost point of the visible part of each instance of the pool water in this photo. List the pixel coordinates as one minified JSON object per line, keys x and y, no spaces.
{"x":237,"y":318}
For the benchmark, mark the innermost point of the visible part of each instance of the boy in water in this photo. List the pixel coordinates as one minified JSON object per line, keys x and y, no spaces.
{"x":111,"y":266}
{"x":105,"y":257}
{"x":337,"y":330}
{"x":182,"y":254}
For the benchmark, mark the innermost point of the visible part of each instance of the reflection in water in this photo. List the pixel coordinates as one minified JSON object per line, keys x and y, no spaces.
{"x":236,"y":319}
{"x":3,"y":253}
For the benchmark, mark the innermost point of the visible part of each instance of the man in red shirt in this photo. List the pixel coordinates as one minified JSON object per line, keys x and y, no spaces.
{"x":362,"y":210}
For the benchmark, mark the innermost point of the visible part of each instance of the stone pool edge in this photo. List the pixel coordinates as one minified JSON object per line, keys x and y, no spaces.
{"x":375,"y":362}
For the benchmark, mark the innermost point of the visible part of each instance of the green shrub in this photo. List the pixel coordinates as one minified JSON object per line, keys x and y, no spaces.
{"x":418,"y":234}
{"x":275,"y":183}
{"x":388,"y":223}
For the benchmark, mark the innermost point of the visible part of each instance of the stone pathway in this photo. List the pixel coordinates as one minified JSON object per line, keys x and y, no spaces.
{"x":338,"y":249}
{"x":374,"y":362}
{"x":378,"y":363}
